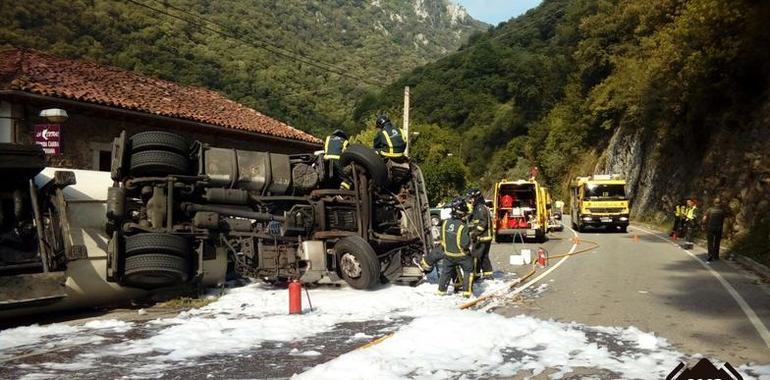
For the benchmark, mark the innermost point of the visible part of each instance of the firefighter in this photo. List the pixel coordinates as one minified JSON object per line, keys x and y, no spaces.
{"x":334,"y":145}
{"x":713,"y":220}
{"x":678,"y":219}
{"x":389,"y":141}
{"x":690,"y":221}
{"x":455,"y":241}
{"x":481,"y":234}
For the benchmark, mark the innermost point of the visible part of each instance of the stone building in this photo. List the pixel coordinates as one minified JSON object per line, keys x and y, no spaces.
{"x":101,"y":101}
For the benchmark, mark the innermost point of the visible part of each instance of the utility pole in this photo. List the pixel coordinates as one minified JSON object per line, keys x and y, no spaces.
{"x":406,"y":120}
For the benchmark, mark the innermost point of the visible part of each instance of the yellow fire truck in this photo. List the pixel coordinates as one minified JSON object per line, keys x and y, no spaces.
{"x":519,"y":207}
{"x":599,"y":200}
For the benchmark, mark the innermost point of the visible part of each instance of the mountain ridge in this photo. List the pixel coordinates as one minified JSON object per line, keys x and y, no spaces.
{"x":232,"y":46}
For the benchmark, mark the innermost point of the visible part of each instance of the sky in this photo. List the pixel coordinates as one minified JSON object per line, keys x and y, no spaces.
{"x":495,"y":11}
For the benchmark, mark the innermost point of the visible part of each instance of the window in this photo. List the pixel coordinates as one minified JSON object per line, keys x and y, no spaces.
{"x":6,"y":123}
{"x":605,"y":192}
{"x":105,"y":159}
{"x":102,"y":156}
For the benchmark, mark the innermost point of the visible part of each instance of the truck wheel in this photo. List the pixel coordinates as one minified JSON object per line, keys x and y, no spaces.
{"x":158,"y":163}
{"x":157,"y":243}
{"x":159,"y":140}
{"x":624,"y":229}
{"x":154,"y":270}
{"x":369,"y":160}
{"x":358,"y":263}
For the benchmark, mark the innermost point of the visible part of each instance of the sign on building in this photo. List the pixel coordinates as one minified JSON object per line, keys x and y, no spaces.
{"x":49,"y":137}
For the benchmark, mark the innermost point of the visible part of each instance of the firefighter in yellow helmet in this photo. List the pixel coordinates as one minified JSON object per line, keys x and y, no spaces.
{"x":334,"y":145}
{"x":389,"y":141}
{"x":456,"y":241}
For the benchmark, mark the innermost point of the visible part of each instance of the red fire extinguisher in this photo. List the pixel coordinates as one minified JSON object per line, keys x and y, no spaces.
{"x":542,"y":260}
{"x":295,"y":297}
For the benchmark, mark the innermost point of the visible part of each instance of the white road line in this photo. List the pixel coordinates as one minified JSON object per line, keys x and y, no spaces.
{"x":551,"y":269}
{"x":750,"y":314}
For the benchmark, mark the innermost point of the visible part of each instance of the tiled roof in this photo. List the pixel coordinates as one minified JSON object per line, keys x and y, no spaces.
{"x":43,"y":74}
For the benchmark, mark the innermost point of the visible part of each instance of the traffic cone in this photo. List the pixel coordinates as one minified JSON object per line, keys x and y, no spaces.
{"x":673,"y":237}
{"x":636,"y":238}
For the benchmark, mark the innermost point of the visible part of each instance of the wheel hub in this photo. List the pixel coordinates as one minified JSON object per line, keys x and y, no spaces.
{"x":351,"y":267}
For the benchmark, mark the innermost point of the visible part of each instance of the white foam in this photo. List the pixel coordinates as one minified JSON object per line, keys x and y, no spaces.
{"x":109,"y":324}
{"x":27,"y":335}
{"x":475,"y":344}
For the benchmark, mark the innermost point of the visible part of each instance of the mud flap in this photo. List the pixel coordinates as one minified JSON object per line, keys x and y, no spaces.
{"x":31,"y":289}
{"x":392,"y":271}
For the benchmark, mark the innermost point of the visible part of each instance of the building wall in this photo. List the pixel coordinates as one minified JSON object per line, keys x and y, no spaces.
{"x":88,"y":132}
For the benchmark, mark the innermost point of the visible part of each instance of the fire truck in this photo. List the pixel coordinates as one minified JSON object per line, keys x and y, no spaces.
{"x":519,"y":210}
{"x":599,"y":201}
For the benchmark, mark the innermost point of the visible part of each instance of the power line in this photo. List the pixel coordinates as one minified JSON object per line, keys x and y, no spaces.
{"x":284,"y":53}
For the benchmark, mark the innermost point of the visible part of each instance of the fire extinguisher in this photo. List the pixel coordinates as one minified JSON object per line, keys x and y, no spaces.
{"x":542,"y":258}
{"x":295,"y":297}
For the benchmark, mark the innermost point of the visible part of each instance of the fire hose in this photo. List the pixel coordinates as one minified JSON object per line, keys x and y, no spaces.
{"x":512,"y":286}
{"x":533,"y":270}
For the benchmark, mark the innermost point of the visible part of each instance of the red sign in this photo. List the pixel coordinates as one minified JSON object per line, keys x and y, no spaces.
{"x":49,"y":137}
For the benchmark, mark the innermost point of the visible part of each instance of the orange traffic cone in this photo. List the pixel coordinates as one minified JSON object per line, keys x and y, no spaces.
{"x":636,"y":238}
{"x":674,"y":237}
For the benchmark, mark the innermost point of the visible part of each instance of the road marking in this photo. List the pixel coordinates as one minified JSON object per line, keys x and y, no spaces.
{"x":750,"y":314}
{"x":551,"y":269}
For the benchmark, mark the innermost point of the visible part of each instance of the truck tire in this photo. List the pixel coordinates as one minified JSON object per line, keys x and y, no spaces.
{"x":154,"y":270}
{"x":358,"y":263}
{"x":159,"y":163}
{"x":369,"y":160}
{"x":157,"y":243}
{"x":159,"y":140}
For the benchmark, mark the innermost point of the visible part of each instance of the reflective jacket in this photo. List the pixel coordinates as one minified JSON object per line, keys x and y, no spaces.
{"x":679,"y":211}
{"x":389,"y":142}
{"x":690,"y":213}
{"x":454,"y":238}
{"x":333,"y":147}
{"x":481,"y":220}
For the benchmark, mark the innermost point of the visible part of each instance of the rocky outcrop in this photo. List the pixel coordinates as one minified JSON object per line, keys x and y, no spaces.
{"x":732,"y":163}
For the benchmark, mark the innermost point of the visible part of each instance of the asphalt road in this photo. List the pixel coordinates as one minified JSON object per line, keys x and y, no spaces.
{"x":641,"y":279}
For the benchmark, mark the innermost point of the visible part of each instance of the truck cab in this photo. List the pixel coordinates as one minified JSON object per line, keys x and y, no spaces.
{"x":53,"y":245}
{"x":519,"y":209}
{"x":599,"y":201}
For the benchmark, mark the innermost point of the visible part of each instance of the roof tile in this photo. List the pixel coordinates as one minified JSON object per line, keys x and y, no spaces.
{"x":43,"y":74}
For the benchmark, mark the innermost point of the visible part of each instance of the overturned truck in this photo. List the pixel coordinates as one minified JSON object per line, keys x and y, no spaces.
{"x":174,"y":207}
{"x":172,"y":217}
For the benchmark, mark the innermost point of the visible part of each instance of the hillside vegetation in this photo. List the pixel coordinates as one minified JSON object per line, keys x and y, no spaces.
{"x":671,"y":93}
{"x":369,"y":42}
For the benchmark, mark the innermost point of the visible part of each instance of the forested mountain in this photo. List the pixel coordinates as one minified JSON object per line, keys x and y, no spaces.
{"x":671,"y":93}
{"x":241,"y":47}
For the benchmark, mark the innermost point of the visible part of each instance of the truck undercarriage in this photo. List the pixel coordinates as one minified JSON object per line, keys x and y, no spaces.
{"x":269,"y":216}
